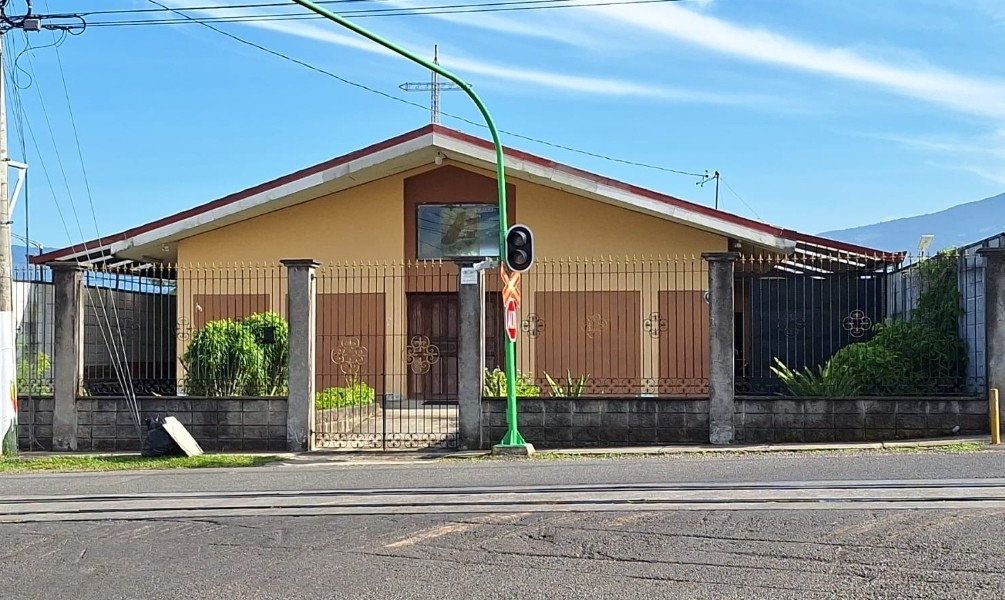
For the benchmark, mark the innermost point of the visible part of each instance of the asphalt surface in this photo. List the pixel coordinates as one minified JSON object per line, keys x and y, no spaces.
{"x":323,"y":474}
{"x":623,"y":553}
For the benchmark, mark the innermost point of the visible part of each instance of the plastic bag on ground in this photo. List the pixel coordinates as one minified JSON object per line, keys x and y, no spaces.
{"x":158,"y":442}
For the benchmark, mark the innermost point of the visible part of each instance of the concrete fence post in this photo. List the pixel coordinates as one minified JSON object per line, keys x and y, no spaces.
{"x":68,"y":352}
{"x":721,"y":381}
{"x":470,"y":358}
{"x":301,"y":286}
{"x":994,"y":316}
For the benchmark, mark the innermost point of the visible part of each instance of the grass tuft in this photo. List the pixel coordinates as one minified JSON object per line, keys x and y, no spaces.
{"x":66,"y":464}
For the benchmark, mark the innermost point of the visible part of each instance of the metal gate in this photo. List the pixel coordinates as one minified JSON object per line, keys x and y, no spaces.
{"x":386,"y":357}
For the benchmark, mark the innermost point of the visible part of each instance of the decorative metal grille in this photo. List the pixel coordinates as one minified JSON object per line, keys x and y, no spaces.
{"x":533,"y":325}
{"x":654,"y":325}
{"x":595,"y":326}
{"x":350,"y":356}
{"x":421,"y":354}
{"x":857,"y":323}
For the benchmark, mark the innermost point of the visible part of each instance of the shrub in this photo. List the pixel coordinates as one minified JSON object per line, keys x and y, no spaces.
{"x":495,"y":385}
{"x":570,"y":388}
{"x":922,"y":356}
{"x":275,"y":351}
{"x":355,"y":393}
{"x":825,"y":381}
{"x":34,"y":376}
{"x":934,"y":360}
{"x":874,"y":368}
{"x":223,"y":360}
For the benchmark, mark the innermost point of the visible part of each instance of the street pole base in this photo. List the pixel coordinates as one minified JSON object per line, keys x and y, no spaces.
{"x":512,"y":438}
{"x":524,"y":450}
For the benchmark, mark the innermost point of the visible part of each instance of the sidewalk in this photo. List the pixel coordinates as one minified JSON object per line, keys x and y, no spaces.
{"x":377,"y":457}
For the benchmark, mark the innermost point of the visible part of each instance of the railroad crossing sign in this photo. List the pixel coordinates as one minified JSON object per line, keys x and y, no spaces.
{"x":512,"y":325}
{"x":511,"y":287}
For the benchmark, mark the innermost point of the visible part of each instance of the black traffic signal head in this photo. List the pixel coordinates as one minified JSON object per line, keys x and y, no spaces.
{"x":519,"y":248}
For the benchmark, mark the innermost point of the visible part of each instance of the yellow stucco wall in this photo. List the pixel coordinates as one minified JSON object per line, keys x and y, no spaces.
{"x":363,"y":223}
{"x":566,"y":225}
{"x":366,"y":224}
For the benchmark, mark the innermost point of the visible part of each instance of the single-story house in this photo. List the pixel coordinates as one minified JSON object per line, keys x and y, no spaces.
{"x":375,"y":217}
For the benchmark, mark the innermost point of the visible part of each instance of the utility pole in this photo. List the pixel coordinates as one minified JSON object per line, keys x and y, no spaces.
{"x":708,"y":178}
{"x":434,"y":87}
{"x":8,"y":373}
{"x":8,"y":356}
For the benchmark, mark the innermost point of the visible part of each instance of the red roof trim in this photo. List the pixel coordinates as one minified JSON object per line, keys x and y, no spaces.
{"x":235,"y":197}
{"x":476,"y":141}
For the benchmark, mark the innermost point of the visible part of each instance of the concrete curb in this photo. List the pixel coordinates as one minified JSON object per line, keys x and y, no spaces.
{"x":740,"y":449}
{"x":308,"y":459}
{"x":762,"y":448}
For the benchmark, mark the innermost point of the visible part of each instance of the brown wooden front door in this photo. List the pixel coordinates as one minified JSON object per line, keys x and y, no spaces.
{"x":432,"y":320}
{"x":433,"y":317}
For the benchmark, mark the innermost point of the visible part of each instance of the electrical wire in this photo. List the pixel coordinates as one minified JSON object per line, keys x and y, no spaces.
{"x":105,"y":328}
{"x":740,"y":198}
{"x":394,"y":10}
{"x":416,"y":104}
{"x":127,"y":375}
{"x":366,"y":13}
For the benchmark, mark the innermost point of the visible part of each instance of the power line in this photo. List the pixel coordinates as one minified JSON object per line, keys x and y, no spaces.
{"x":212,"y":7}
{"x":740,"y":198}
{"x":416,"y":104}
{"x":518,"y":5}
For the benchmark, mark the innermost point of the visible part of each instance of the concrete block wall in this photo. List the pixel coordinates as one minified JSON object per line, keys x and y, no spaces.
{"x":599,"y":422}
{"x":614,"y":422}
{"x":218,"y":424}
{"x":781,"y":420}
{"x":34,"y":426}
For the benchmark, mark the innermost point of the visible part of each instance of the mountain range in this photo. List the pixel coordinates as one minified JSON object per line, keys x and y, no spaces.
{"x":957,"y":226}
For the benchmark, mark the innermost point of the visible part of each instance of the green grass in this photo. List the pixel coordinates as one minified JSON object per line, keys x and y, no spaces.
{"x":64,"y":464}
{"x":961,"y":447}
{"x":958,"y":448}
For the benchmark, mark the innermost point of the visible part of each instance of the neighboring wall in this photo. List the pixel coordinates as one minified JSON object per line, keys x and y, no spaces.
{"x":218,"y":424}
{"x":586,"y":422}
{"x":141,"y":326}
{"x":34,"y":424}
{"x":33,"y":315}
{"x":770,"y":420}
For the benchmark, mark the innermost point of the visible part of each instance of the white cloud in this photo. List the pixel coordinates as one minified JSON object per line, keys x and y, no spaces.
{"x":537,"y":28}
{"x":981,"y":155}
{"x":968,"y":95}
{"x":544,"y":79}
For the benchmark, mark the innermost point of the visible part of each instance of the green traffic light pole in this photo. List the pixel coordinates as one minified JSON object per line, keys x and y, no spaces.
{"x":513,"y":437}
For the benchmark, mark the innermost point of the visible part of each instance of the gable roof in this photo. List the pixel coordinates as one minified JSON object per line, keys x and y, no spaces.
{"x":421,"y":147}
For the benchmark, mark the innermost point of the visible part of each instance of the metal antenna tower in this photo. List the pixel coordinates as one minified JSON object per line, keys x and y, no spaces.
{"x":434,"y":87}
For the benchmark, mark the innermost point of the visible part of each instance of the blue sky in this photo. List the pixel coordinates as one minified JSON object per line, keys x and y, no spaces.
{"x":819,"y":115}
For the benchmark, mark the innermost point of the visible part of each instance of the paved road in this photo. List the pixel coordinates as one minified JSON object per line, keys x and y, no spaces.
{"x":782,"y":550}
{"x":411,"y":474}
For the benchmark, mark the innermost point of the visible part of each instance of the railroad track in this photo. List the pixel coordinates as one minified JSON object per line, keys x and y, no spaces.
{"x":821,"y":495}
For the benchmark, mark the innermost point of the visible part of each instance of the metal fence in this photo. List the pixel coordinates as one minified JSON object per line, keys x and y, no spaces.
{"x":148,"y":331}
{"x":387,"y":361}
{"x":33,"y":325}
{"x":611,"y":327}
{"x":847,"y":326}
{"x":387,"y":339}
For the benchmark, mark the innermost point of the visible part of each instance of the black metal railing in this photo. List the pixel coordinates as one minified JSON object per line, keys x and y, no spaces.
{"x":848,"y":326}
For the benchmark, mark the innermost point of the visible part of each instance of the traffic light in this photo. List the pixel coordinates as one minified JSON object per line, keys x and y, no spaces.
{"x":519,"y":248}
